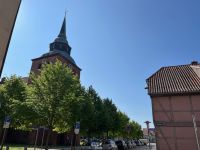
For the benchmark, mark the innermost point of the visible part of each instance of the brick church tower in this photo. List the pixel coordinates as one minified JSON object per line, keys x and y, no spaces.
{"x":59,"y":49}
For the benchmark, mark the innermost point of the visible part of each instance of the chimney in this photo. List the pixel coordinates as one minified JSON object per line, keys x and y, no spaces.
{"x":194,"y":62}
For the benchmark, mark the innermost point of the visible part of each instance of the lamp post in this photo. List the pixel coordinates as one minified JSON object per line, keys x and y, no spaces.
{"x":147,"y":123}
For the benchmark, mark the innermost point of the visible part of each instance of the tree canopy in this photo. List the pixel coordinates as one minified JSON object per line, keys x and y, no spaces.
{"x":55,"y":98}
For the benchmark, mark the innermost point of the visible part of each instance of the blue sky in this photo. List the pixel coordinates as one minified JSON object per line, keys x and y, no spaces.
{"x":117,"y":43}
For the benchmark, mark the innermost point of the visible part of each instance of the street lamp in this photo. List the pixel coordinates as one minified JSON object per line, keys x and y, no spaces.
{"x":147,"y":123}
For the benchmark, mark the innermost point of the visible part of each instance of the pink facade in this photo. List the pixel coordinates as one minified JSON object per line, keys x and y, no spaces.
{"x":175,"y":96}
{"x":173,"y":121}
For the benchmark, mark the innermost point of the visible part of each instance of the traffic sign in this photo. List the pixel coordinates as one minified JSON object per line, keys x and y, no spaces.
{"x":76,"y":131}
{"x":7,"y":122}
{"x":77,"y":126}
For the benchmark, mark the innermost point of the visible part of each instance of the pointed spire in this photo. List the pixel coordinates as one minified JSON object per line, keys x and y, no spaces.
{"x":62,"y":33}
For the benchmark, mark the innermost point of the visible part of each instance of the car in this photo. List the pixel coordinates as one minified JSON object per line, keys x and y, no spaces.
{"x":109,"y":145}
{"x":142,"y":143}
{"x":133,"y":144}
{"x":138,"y":143}
{"x":129,"y":144}
{"x":145,"y":141}
{"x":95,"y":145}
{"x":121,"y":145}
{"x":84,"y":142}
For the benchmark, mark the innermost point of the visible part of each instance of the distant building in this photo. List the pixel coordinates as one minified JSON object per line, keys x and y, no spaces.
{"x":151,"y":134}
{"x":175,"y":97}
{"x":59,"y":49}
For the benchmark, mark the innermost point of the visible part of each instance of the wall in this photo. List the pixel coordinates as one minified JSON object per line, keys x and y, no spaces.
{"x":28,"y":137}
{"x":173,"y":121}
{"x":38,"y":62}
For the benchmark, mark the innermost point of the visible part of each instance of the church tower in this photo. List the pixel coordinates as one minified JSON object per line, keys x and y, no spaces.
{"x":59,"y":49}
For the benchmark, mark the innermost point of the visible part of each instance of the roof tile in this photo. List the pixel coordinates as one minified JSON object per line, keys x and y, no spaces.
{"x":175,"y":80}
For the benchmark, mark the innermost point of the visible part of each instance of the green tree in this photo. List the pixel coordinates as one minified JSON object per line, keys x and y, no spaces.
{"x":136,"y":130}
{"x":52,"y":91}
{"x":87,"y":111}
{"x":110,"y":112}
{"x":123,"y":121}
{"x":13,"y":93}
{"x":96,"y":117}
{"x":3,"y":105}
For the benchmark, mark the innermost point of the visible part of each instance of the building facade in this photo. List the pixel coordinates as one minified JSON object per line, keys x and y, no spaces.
{"x":175,"y":97}
{"x":60,"y":50}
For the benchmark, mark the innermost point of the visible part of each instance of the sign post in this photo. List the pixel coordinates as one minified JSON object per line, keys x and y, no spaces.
{"x":76,"y":131}
{"x":77,"y":128}
{"x":5,"y":126}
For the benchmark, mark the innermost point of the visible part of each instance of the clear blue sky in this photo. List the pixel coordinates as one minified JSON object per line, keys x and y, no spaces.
{"x":117,"y":43}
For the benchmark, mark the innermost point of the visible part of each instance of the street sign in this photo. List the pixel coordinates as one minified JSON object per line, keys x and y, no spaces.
{"x":76,"y":131}
{"x":7,"y":122}
{"x":77,"y":127}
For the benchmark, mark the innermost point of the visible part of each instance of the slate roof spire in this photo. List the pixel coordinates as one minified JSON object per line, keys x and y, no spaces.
{"x":60,"y":44}
{"x":62,"y":33}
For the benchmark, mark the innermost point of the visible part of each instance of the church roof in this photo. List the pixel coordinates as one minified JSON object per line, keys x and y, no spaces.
{"x":63,"y":53}
{"x":60,"y":45}
{"x":181,"y":79}
{"x":62,"y":34}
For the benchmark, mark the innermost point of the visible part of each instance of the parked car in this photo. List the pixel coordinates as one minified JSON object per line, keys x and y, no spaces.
{"x":95,"y":145}
{"x":121,"y":145}
{"x":109,"y":145}
{"x":84,"y":142}
{"x":129,"y":144}
{"x":142,"y":143}
{"x":133,"y":143}
{"x":138,"y":143}
{"x":145,"y":141}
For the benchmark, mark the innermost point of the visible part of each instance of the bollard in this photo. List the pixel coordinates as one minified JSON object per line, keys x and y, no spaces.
{"x":7,"y":147}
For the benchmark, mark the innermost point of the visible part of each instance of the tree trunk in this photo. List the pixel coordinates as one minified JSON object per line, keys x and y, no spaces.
{"x":48,"y":136}
{"x":3,"y":138}
{"x":1,"y":131}
{"x":107,"y":135}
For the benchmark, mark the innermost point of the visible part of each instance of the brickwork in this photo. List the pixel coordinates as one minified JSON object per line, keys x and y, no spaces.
{"x":37,"y":63}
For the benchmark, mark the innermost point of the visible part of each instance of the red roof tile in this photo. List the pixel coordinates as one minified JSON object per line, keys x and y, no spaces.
{"x":175,"y":80}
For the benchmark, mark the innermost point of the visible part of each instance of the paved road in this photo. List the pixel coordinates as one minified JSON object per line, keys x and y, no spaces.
{"x":152,"y":147}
